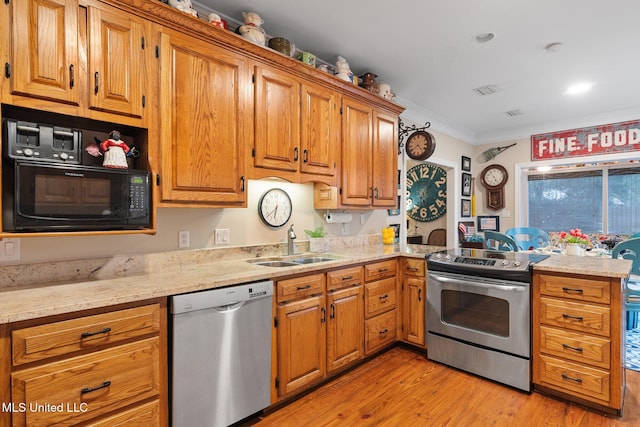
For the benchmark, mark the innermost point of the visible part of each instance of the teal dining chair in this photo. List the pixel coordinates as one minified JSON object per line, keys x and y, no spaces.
{"x":630,"y":249}
{"x":529,"y":237}
{"x":500,"y":241}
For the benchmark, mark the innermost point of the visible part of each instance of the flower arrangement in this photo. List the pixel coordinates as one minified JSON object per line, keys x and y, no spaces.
{"x":575,"y":236}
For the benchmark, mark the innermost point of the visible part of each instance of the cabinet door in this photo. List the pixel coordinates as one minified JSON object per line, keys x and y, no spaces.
{"x":205,"y":120}
{"x":345,"y":327}
{"x":302,"y":338}
{"x":357,"y":120}
{"x":414,"y":306}
{"x":385,"y":160}
{"x":320,"y":138}
{"x":277,"y":127}
{"x":45,"y":49}
{"x":115,"y":58}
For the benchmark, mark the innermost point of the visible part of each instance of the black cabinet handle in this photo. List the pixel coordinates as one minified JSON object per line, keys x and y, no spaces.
{"x":573,"y":290}
{"x":568,"y":347}
{"x":383,"y":297}
{"x":419,"y":295}
{"x":324,"y":315}
{"x":302,"y":288}
{"x":242,"y":184}
{"x":332,"y":315}
{"x":96,"y":88}
{"x":384,"y":331}
{"x":90,"y":334}
{"x":567,"y":377}
{"x":305,"y":157}
{"x":72,"y":79}
{"x":295,"y":154}
{"x":90,"y":389}
{"x":568,"y":316}
{"x":347,"y":278}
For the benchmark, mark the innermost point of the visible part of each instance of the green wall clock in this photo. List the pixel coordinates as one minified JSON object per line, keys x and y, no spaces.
{"x":426,"y":192}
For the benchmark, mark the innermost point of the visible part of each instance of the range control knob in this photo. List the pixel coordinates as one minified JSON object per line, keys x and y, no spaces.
{"x":28,"y":152}
{"x":517,"y":263}
{"x":437,"y":256}
{"x":64,"y":156}
{"x":505,"y":262}
{"x":448,"y":257}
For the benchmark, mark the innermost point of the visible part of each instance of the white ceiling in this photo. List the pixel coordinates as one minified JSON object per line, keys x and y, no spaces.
{"x":425,"y":49}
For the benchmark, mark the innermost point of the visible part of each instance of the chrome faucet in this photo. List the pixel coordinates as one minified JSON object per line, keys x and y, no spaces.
{"x":290,"y":236}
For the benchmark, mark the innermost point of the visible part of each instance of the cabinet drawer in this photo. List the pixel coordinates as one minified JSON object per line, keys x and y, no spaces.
{"x":576,"y":316}
{"x":380,"y":331}
{"x":414,"y":267}
{"x":345,"y":277}
{"x":589,"y":383}
{"x":379,"y":297}
{"x":141,"y":416}
{"x":380,"y":270}
{"x":575,"y":288}
{"x":577,"y":347}
{"x":65,"y":337}
{"x":300,"y":287}
{"x":99,"y":382}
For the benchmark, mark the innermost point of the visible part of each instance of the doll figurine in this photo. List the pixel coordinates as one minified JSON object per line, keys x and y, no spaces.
{"x":252,"y":28}
{"x":343,"y":71}
{"x":185,"y":6}
{"x":216,"y":21}
{"x":115,"y":151}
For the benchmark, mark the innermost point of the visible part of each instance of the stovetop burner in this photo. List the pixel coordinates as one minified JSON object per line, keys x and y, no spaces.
{"x":481,"y":262}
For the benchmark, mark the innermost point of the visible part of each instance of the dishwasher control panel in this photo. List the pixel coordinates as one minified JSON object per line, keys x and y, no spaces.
{"x":227,"y":298}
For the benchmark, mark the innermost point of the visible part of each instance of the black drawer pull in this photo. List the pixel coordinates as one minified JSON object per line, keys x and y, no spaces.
{"x":573,"y":290}
{"x":302,"y":288}
{"x":384,"y":331}
{"x":383,"y":270}
{"x":568,"y":316}
{"x":568,"y":347}
{"x":412,"y":269}
{"x":90,"y":389}
{"x":90,"y":334}
{"x":382,"y":297}
{"x":347,"y":278}
{"x":567,"y":377}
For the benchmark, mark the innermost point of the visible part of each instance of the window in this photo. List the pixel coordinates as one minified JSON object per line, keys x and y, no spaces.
{"x":567,"y":199}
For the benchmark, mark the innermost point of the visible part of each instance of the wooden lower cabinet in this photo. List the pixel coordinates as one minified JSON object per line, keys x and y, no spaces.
{"x":578,"y":345}
{"x":101,"y":367}
{"x":381,"y":296}
{"x":414,"y":295}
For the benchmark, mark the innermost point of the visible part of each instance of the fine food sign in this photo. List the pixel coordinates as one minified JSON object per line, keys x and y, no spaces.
{"x":589,"y":141}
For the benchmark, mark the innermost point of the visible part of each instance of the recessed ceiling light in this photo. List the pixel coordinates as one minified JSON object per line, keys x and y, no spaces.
{"x":579,"y":88}
{"x":484,"y":37}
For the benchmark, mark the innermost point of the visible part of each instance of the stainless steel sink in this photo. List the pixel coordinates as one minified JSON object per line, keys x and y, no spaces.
{"x":289,"y":262}
{"x":312,"y":259}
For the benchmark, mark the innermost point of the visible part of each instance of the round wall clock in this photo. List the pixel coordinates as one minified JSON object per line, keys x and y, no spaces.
{"x":426,"y":192}
{"x":420,"y":145}
{"x":494,"y":178}
{"x":274,"y":207}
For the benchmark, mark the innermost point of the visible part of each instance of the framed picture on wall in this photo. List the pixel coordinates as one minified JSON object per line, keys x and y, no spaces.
{"x":396,"y":229}
{"x":489,"y":223}
{"x":466,"y":208}
{"x":396,"y":211}
{"x":466,"y":184}
{"x":466,"y":163}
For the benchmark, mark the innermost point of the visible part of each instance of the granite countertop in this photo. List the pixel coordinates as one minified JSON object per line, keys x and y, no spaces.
{"x":171,"y":274}
{"x":33,"y":291}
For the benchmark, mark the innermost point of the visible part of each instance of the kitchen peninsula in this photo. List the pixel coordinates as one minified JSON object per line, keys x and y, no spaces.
{"x":139,"y":285}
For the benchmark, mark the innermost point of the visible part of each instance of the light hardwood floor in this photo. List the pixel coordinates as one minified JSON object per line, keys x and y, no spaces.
{"x":402,"y":388}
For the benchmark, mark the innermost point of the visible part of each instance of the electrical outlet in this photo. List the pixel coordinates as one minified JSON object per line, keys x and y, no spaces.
{"x":222,"y":236}
{"x":183,"y":239}
{"x":9,"y":249}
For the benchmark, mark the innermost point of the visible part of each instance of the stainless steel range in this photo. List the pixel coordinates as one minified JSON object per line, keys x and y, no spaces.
{"x":479,"y":313}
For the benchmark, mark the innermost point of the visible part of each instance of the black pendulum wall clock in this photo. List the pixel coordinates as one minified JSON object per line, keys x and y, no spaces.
{"x":493,"y":178}
{"x":426,"y":192}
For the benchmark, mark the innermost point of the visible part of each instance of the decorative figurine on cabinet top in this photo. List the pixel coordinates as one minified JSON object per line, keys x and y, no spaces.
{"x":252,"y":28}
{"x":216,"y":21}
{"x":184,"y":5}
{"x":115,"y":151}
{"x":343,"y":71}
{"x":384,"y":90}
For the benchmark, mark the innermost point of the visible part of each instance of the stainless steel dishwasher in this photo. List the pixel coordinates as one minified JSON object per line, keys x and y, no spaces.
{"x":221,"y":354}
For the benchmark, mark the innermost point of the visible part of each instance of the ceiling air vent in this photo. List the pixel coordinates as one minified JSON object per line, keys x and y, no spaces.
{"x":513,"y":113}
{"x":485,"y":90}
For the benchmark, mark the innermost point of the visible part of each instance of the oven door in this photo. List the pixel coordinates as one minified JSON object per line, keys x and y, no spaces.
{"x":487,"y":312}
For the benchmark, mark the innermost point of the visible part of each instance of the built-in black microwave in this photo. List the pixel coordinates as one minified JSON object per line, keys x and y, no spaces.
{"x":50,"y":184}
{"x":40,"y":196}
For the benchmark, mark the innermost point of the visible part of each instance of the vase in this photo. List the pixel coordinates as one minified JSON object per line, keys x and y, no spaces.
{"x":574,"y":249}
{"x":318,"y":244}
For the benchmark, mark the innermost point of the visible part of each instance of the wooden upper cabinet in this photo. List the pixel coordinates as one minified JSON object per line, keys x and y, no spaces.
{"x":385,"y":160}
{"x":115,"y":62}
{"x":205,"y":122}
{"x":297,"y":127}
{"x":320,"y":130}
{"x":277,"y":121}
{"x":45,"y":49}
{"x":357,"y":145}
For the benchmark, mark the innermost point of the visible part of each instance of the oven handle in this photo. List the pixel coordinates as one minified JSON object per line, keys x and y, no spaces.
{"x":486,"y":285}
